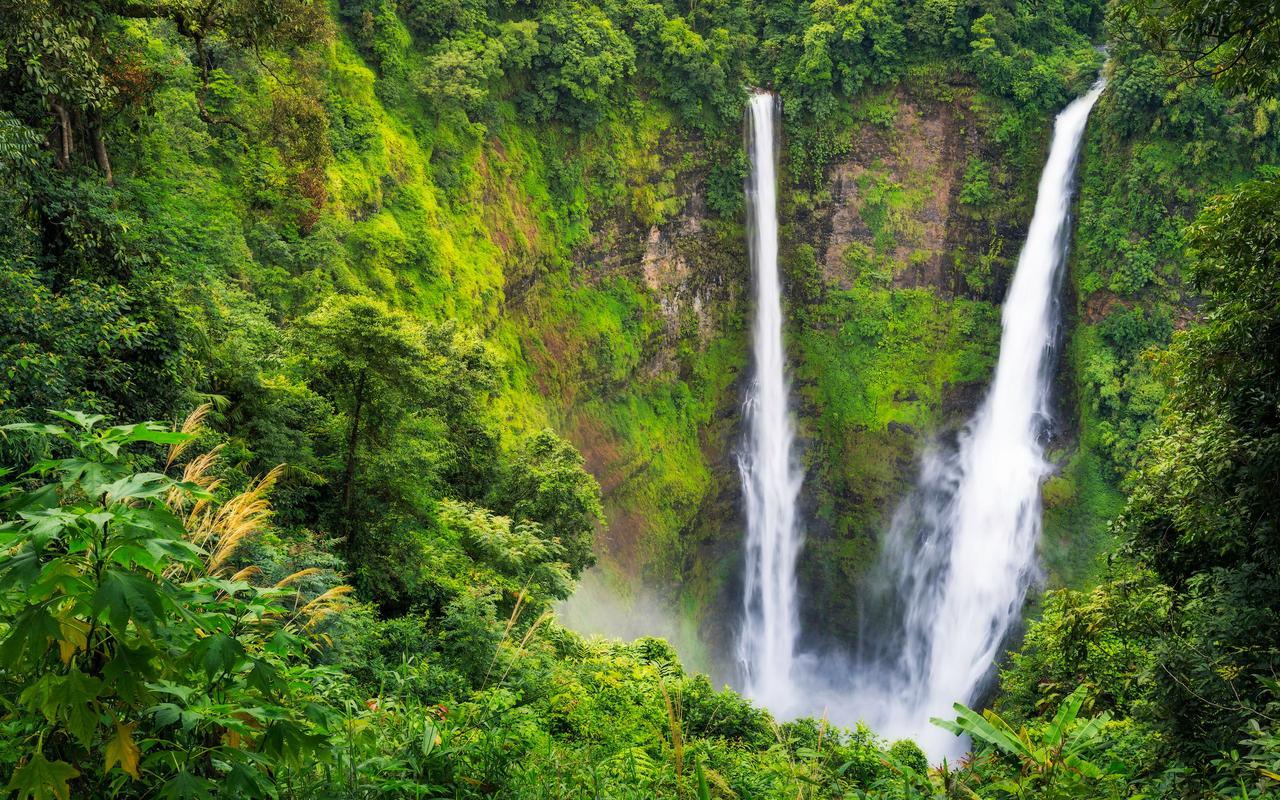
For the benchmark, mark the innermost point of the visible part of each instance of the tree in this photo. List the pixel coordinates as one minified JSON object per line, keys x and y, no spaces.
{"x":548,"y":485}
{"x":101,"y":346}
{"x":1233,"y":41}
{"x":582,"y":60}
{"x":369,"y":361}
{"x":1203,"y":509}
{"x":460,"y":71}
{"x":55,"y":59}
{"x":1205,"y":494}
{"x":1052,"y":757}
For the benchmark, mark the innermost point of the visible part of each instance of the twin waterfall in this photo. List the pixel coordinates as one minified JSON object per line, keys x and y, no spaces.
{"x":961,"y":552}
{"x":770,"y":477}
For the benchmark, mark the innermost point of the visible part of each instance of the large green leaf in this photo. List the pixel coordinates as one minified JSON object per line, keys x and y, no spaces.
{"x":42,"y":779}
{"x":129,"y":669}
{"x":144,"y":432}
{"x":185,"y":786}
{"x":139,"y":486}
{"x":124,"y":596}
{"x":217,"y":654}
{"x":21,"y":569}
{"x":166,"y":714}
{"x":44,"y":497}
{"x":994,"y":732}
{"x":68,"y":700}
{"x":1066,"y":715}
{"x":30,"y":635}
{"x":85,"y":421}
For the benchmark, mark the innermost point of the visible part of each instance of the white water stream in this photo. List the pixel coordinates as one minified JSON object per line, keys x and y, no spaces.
{"x":962,"y":550}
{"x":770,"y":476}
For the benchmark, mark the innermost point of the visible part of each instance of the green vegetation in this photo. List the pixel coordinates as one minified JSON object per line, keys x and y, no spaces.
{"x":456,"y":288}
{"x":1177,"y":646}
{"x":160,"y":638}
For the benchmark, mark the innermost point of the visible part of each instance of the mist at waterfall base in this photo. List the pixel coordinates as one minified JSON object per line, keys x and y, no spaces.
{"x":603,"y":605}
{"x":960,"y":554}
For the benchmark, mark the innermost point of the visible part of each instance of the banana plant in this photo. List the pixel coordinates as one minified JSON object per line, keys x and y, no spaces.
{"x":1052,"y":757}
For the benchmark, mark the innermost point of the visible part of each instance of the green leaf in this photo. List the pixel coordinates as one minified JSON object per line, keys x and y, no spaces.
{"x":157,"y":521}
{"x":244,"y":781}
{"x":983,"y":729}
{"x":90,"y":477}
{"x":130,"y":555}
{"x":41,"y":778}
{"x":122,"y":750}
{"x":69,"y":700}
{"x":263,"y":677}
{"x":1066,"y":715}
{"x":704,"y":792}
{"x":145,"y":432}
{"x":139,"y":486}
{"x":80,"y":418}
{"x":43,"y":498}
{"x":170,"y":714}
{"x":35,"y":427}
{"x":183,"y":693}
{"x":287,"y":741}
{"x":47,"y":525}
{"x":128,"y":670}
{"x":185,"y":786}
{"x":21,"y":569}
{"x":29,"y":636}
{"x":217,"y":654}
{"x":123,"y":596}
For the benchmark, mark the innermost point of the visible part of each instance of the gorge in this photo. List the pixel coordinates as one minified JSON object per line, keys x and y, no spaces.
{"x":485,"y":399}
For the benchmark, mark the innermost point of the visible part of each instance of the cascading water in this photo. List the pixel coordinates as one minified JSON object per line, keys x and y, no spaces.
{"x":961,"y":552}
{"x":770,"y":477}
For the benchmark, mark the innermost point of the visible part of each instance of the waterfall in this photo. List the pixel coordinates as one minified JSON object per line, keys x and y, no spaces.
{"x":770,"y":477}
{"x":961,"y":552}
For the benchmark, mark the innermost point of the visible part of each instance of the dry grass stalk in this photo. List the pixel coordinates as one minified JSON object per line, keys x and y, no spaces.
{"x":297,"y":576}
{"x":191,"y":425}
{"x":220,"y":529}
{"x":528,"y":637}
{"x":324,"y":606}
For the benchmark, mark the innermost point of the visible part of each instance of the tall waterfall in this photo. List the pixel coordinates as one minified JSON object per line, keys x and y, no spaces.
{"x":961,"y":551}
{"x":770,"y":477}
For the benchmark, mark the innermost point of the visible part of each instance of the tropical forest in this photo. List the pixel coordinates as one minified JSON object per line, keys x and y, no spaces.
{"x":631,"y":399}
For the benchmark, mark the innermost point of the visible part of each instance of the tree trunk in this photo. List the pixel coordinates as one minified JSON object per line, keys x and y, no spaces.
{"x":100,"y":148}
{"x":65,"y":142}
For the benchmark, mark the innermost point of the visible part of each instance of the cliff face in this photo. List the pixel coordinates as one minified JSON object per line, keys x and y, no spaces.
{"x":616,"y":298}
{"x":896,"y":271}
{"x":639,"y":366}
{"x":894,"y":267}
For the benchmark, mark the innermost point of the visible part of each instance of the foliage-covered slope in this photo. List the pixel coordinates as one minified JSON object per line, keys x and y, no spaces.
{"x":463,"y":265}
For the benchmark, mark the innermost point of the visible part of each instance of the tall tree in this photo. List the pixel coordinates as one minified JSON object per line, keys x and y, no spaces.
{"x":369,"y":360}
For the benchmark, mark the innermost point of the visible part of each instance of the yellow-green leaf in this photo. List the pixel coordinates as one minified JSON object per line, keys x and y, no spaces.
{"x":122,"y":749}
{"x":42,"y":779}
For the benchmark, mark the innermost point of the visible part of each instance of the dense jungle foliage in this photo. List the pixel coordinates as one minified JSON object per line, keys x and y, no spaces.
{"x":311,"y":322}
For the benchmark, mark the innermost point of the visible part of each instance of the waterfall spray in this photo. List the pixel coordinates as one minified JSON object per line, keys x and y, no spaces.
{"x":961,"y":552}
{"x":770,"y":477}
